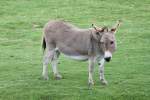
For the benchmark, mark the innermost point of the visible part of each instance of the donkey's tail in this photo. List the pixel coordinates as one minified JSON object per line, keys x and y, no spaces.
{"x":43,"y":44}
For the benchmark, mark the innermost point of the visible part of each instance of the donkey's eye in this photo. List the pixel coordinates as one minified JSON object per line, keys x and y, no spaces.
{"x":112,"y":42}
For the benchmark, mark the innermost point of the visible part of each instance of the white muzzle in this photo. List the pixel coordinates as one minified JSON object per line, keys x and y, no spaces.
{"x":107,"y":56}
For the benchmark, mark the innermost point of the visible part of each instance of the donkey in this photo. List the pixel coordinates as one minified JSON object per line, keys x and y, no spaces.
{"x":95,"y":44}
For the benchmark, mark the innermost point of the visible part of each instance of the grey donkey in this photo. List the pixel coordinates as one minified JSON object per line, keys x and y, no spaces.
{"x":95,"y":44}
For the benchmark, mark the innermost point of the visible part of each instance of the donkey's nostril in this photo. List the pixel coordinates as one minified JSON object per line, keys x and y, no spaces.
{"x":107,"y":59}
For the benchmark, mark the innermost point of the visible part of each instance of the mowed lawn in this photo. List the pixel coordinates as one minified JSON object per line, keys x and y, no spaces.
{"x":21,"y":23}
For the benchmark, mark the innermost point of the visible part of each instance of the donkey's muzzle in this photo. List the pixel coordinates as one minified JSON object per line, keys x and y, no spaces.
{"x":107,"y":59}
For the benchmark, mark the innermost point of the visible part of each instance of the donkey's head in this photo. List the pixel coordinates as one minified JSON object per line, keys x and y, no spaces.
{"x":106,"y":40}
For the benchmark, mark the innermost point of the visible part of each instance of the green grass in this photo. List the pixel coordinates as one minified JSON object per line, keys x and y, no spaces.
{"x":21,"y":23}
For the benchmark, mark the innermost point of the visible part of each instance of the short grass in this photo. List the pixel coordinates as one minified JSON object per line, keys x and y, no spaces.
{"x":21,"y":23}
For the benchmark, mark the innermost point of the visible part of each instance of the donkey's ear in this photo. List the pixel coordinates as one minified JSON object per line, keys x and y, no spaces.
{"x":95,"y":27}
{"x":98,"y":29}
{"x":114,"y":28}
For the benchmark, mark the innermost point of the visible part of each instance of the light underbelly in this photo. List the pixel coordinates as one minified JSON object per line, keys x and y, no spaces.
{"x":73,"y":54}
{"x":79,"y":57}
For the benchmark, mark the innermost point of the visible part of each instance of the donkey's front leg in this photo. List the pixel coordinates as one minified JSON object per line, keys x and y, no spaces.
{"x":101,"y":72}
{"x":91,"y":69}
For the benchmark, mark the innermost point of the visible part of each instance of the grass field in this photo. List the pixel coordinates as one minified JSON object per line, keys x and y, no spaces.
{"x":21,"y":22}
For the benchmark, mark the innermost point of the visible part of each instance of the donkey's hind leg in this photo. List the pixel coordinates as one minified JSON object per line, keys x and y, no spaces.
{"x":49,"y":54}
{"x":54,"y":65}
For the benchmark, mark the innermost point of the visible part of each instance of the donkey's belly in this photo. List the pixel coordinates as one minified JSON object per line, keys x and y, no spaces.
{"x":74,"y":54}
{"x":81,"y":57}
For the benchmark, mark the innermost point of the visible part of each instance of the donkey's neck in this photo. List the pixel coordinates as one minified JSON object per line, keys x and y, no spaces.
{"x":95,"y":47}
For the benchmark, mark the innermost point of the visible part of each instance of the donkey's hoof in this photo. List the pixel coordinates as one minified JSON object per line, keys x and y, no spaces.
{"x":91,"y":83}
{"x":104,"y":82}
{"x":58,"y":77}
{"x":45,"y":78}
